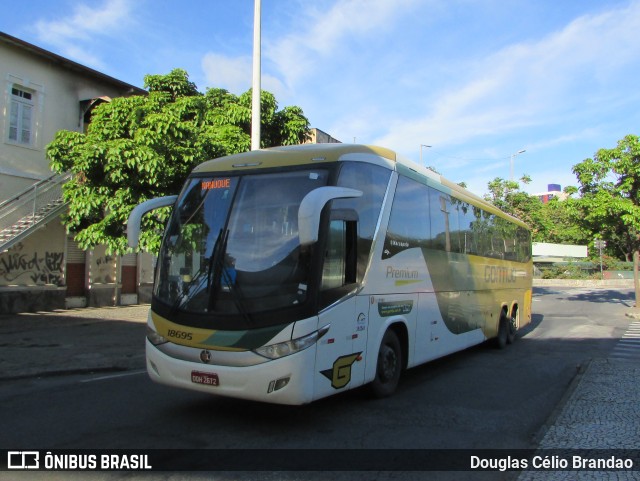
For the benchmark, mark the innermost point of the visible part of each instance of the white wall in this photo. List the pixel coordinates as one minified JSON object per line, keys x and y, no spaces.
{"x":544,"y":249}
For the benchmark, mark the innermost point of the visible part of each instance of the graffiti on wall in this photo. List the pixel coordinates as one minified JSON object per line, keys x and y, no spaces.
{"x":20,"y":267}
{"x":103,"y":270}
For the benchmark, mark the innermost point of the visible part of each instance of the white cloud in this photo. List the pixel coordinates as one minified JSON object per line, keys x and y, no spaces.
{"x":235,"y":73}
{"x":73,"y":34}
{"x":566,"y":138}
{"x":319,"y":35}
{"x":531,"y":84}
{"x":322,"y":34}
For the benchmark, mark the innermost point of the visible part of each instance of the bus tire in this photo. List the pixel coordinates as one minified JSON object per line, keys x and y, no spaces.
{"x":388,"y":367}
{"x":503,"y":331}
{"x":512,"y":327}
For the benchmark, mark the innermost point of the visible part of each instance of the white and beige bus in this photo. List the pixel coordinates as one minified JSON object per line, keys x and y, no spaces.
{"x":289,"y":274}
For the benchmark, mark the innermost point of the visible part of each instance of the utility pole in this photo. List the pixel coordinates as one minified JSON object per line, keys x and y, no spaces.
{"x":600,"y":244}
{"x":256,"y":88}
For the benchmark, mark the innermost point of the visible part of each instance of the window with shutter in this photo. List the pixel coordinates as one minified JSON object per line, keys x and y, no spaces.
{"x":21,"y":116}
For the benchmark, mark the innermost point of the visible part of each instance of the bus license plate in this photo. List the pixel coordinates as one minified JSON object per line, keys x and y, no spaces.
{"x":207,"y":378}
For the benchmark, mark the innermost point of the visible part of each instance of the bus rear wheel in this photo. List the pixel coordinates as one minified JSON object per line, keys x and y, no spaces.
{"x":503,"y":331}
{"x":389,"y":366}
{"x":513,"y":326}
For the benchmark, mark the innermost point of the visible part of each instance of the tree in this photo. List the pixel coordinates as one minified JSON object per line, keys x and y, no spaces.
{"x":610,"y":188}
{"x":555,"y":221}
{"x":141,"y":147}
{"x":563,"y":222}
{"x":507,"y":196}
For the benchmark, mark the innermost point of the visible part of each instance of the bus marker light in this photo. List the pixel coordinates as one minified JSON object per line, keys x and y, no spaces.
{"x":247,"y":164}
{"x":154,"y":367}
{"x":278,"y":384}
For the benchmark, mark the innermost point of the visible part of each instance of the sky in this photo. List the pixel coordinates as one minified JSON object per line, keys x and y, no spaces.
{"x":461,"y":85}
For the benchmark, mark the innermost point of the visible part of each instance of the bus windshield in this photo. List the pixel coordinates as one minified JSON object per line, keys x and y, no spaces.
{"x":231,"y":246}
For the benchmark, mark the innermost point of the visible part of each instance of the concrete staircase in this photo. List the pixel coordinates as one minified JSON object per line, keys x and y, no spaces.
{"x":26,"y":212}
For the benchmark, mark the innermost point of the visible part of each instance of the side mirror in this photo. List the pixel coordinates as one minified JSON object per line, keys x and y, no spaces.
{"x":311,"y":207}
{"x":133,"y":223}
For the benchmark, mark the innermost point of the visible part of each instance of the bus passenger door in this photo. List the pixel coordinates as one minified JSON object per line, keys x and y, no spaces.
{"x":339,"y":363}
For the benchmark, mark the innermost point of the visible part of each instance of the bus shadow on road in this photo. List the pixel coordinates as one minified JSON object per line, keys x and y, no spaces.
{"x":536,"y":320}
{"x":624,"y":297}
{"x":610,"y":296}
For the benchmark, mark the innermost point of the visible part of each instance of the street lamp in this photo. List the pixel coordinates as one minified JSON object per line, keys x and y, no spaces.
{"x":422,"y":145}
{"x":512,"y":157}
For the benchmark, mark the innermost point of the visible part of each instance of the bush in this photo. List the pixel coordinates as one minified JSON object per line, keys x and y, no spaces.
{"x":565,"y":271}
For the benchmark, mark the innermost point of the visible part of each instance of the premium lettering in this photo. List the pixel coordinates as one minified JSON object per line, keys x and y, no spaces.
{"x":394,"y":273}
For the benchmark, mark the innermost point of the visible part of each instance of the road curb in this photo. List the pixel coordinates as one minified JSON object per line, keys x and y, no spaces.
{"x":581,"y":370}
{"x":633,"y":314}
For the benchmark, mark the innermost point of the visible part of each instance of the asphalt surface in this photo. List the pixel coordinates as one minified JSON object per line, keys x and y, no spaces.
{"x":74,"y":341}
{"x":600,"y":411}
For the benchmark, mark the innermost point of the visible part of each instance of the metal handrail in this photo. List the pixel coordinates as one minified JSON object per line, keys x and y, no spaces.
{"x":33,"y":200}
{"x":28,"y":190}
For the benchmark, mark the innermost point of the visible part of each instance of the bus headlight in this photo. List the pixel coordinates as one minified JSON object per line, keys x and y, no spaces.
{"x":282,"y":349}
{"x":155,"y":338}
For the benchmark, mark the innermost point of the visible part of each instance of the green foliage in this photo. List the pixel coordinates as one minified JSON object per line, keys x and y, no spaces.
{"x":565,"y":271}
{"x":507,"y":196}
{"x":562,"y":223}
{"x":555,"y":221}
{"x":141,"y":147}
{"x":176,"y":83}
{"x":610,"y":202}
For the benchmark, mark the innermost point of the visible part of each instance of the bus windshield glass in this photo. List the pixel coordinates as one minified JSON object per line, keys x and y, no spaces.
{"x":231,"y":246}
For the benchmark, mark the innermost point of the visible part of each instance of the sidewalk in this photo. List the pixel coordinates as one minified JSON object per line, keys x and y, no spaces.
{"x":602,"y":411}
{"x":72,"y":341}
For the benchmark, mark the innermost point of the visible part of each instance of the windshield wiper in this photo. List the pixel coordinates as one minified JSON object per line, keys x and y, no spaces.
{"x":215,"y":266}
{"x":212,"y":266}
{"x":188,"y":290}
{"x":220,"y":273}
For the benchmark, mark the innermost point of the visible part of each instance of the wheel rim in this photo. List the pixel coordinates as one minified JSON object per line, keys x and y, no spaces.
{"x":389,"y":364}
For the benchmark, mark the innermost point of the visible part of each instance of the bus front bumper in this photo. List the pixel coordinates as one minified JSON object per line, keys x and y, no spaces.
{"x":288,"y":380}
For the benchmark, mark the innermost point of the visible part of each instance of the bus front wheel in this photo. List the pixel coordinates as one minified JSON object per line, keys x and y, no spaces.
{"x":389,"y":366}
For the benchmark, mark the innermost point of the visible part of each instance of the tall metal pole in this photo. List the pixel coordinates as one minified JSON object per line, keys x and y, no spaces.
{"x":512,"y":156}
{"x":422,"y":145}
{"x":256,"y":88}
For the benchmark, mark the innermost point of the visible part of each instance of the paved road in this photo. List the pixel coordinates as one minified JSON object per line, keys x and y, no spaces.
{"x":481,"y":398}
